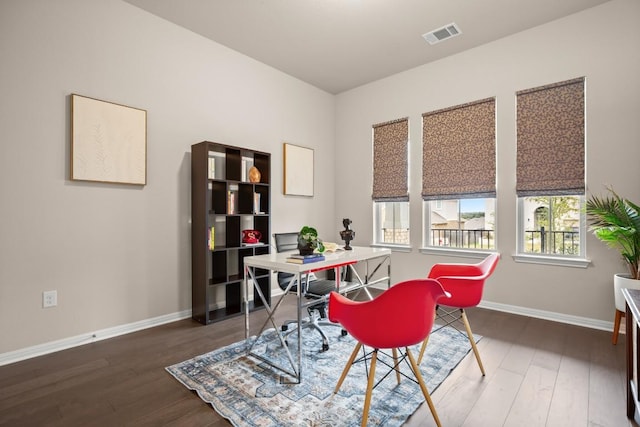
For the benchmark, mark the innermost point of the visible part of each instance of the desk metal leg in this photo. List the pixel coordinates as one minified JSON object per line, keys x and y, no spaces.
{"x":362,"y":282}
{"x":246,"y":303}
{"x":367,"y":282}
{"x":375,"y":270}
{"x":296,"y":370}
{"x":299,"y":326}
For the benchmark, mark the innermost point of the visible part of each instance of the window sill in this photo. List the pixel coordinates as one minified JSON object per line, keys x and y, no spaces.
{"x":395,"y":248}
{"x":552,"y":260}
{"x":467,"y":253}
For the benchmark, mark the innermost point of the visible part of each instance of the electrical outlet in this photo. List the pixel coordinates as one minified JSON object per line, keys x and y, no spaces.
{"x":49,"y":299}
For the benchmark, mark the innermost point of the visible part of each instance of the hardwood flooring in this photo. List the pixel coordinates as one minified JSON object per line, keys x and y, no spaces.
{"x":539,"y":373}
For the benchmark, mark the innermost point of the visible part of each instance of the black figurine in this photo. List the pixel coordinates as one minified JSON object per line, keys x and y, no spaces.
{"x":347,"y":234}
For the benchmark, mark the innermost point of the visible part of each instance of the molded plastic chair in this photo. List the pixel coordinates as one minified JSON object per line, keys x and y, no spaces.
{"x":465,"y":283}
{"x":317,"y":289}
{"x":401,"y":316}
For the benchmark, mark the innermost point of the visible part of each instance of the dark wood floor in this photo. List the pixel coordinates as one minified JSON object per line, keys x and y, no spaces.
{"x":539,"y":373}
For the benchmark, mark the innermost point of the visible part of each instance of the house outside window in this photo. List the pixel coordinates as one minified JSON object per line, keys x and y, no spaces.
{"x":461,"y":223}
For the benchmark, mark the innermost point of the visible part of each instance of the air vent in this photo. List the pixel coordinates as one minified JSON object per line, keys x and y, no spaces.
{"x":446,"y":32}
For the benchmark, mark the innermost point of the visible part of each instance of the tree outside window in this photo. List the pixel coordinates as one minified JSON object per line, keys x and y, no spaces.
{"x":552,"y":225}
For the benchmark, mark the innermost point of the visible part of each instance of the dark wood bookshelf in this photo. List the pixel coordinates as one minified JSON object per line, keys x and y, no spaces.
{"x":225,"y":201}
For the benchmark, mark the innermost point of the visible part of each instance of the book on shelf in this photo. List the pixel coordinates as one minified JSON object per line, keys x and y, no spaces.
{"x":212,"y":168}
{"x":231,"y":202}
{"x":211,"y":240}
{"x":243,"y":171}
{"x":306,"y":259}
{"x":256,"y":203}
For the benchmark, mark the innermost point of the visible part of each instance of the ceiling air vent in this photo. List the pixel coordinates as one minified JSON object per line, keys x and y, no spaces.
{"x":446,"y":32}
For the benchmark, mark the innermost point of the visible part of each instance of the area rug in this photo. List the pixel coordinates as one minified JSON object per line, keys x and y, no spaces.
{"x":249,"y":392}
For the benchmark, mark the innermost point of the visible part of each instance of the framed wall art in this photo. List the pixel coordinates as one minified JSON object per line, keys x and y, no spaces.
{"x":108,"y":142}
{"x":298,"y":170}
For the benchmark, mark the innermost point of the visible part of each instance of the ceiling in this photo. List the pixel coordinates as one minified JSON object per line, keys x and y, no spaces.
{"x":337,"y":45}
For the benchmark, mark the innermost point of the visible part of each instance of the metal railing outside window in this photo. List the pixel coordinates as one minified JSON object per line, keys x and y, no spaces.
{"x":552,"y":242}
{"x":456,"y":238}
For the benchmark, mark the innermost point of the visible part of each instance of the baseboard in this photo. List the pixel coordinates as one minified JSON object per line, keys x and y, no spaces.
{"x":63,"y":344}
{"x":539,"y":314}
{"x":549,"y":315}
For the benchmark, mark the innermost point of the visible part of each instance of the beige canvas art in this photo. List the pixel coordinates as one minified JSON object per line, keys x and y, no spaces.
{"x":298,"y":170}
{"x":109,"y":142}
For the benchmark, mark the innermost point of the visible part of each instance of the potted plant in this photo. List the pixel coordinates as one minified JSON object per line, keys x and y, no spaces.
{"x":616,"y":221}
{"x":308,"y":241}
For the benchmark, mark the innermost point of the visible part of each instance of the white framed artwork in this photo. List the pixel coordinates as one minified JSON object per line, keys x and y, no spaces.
{"x":108,"y":142}
{"x":298,"y":170}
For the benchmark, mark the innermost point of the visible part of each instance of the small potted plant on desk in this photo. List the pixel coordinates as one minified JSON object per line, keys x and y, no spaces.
{"x":308,"y":241}
{"x":616,"y":221}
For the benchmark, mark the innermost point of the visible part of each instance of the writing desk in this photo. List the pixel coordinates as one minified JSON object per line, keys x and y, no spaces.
{"x":632,"y":330}
{"x":277,"y":262}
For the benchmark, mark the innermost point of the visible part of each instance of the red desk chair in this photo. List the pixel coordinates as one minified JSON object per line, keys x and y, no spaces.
{"x":399,"y":317}
{"x":465,"y":283}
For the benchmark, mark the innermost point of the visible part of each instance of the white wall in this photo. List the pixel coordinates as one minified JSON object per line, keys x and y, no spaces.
{"x":121,"y":254}
{"x":602,"y":44}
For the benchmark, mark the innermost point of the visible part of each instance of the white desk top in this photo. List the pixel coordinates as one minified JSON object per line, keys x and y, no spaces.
{"x":277,"y":261}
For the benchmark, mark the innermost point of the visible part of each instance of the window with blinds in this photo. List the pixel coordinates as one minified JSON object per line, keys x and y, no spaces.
{"x":459,"y":176}
{"x":550,"y":171}
{"x":390,"y":182}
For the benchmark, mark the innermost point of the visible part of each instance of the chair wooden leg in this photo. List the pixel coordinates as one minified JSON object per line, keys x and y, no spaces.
{"x":426,"y":340}
{"x":616,"y":326}
{"x":422,"y":349}
{"x":472,"y":341}
{"x":345,"y":371}
{"x":423,"y":387}
{"x":395,"y":364}
{"x":367,"y":397}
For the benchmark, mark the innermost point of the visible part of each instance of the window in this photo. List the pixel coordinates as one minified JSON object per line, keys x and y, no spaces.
{"x":552,"y":225}
{"x":550,"y":170}
{"x":458,"y":176}
{"x":462,"y":223}
{"x":390,"y":183}
{"x":391,"y":223}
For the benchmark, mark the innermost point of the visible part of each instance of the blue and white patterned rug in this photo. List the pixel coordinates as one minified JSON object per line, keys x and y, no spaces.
{"x":248,"y":392}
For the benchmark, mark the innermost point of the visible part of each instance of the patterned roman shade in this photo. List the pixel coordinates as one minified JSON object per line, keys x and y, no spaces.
{"x":390,"y":161}
{"x":550,"y":125}
{"x":459,"y":151}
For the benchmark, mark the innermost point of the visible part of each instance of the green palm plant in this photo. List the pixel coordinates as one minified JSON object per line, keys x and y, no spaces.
{"x":616,"y":221}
